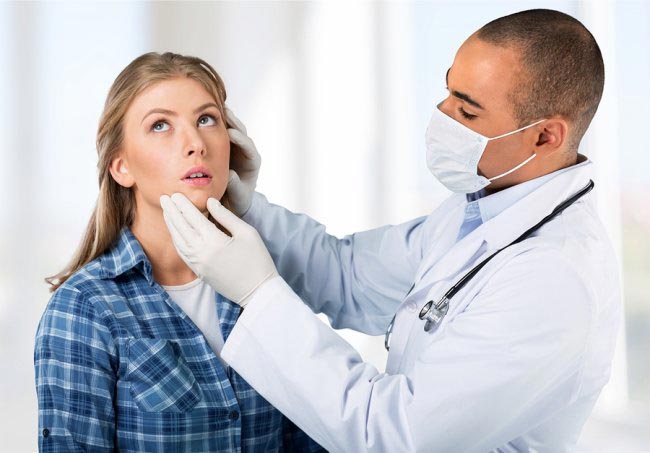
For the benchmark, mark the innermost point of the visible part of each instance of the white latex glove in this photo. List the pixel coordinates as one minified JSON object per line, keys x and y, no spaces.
{"x":234,"y":266}
{"x":245,"y":164}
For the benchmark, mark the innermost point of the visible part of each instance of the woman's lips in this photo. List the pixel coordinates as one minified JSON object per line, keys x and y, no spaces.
{"x":203,"y":181}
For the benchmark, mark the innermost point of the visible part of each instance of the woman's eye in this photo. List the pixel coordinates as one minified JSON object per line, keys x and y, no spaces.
{"x":467,"y":116}
{"x":211,"y":121}
{"x":156,"y":126}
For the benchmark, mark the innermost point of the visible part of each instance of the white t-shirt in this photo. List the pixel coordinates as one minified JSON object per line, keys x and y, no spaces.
{"x":197,"y":300}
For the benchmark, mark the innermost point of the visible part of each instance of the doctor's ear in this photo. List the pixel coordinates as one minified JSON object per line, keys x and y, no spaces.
{"x":120,"y":171}
{"x":552,"y":137}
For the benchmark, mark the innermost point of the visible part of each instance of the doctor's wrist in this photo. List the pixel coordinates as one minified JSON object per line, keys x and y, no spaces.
{"x":260,"y":290}
{"x":250,"y":296}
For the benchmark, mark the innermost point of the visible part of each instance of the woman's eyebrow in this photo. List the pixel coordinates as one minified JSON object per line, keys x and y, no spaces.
{"x":172,"y":113}
{"x":205,"y":106}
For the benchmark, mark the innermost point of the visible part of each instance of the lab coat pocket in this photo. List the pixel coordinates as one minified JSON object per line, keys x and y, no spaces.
{"x":160,"y":379}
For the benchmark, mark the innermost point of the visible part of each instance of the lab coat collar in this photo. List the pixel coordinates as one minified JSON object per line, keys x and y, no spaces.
{"x":492,"y":205}
{"x":125,"y":254}
{"x":506,"y":226}
{"x":537,"y":204}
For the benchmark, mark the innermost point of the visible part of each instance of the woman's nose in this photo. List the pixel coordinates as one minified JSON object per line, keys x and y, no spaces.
{"x":193,"y":143}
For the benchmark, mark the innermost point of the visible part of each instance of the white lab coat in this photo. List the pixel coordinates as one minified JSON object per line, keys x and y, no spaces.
{"x":517,"y":363}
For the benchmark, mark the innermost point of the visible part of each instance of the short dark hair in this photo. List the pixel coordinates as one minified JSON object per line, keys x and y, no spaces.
{"x":563,"y":70}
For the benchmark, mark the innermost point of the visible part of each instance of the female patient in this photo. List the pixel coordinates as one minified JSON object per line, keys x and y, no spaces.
{"x":127,"y":351}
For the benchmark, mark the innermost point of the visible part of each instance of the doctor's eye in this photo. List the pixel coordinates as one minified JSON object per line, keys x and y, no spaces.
{"x":155,"y":128}
{"x":467,"y":116}
{"x":208,"y":123}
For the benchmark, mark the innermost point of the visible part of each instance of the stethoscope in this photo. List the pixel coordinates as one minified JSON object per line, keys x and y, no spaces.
{"x":433,"y":313}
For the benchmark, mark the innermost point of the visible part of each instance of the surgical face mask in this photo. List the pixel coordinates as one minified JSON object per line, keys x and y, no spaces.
{"x":454,"y":150}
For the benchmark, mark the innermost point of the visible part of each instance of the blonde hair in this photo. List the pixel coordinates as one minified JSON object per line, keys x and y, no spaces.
{"x":115,"y":206}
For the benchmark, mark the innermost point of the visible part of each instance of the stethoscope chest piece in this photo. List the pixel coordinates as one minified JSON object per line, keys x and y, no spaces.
{"x":433,"y":314}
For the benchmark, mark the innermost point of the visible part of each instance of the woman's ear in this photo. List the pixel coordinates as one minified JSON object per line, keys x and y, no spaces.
{"x":120,"y":171}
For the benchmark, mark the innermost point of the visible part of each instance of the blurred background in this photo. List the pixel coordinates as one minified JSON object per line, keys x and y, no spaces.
{"x":337,"y":96}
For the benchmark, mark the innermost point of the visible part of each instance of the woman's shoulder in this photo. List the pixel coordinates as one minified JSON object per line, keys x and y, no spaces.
{"x":106,"y":288}
{"x":77,"y":319}
{"x":82,"y":290}
{"x":77,"y":306}
{"x":85,"y":281}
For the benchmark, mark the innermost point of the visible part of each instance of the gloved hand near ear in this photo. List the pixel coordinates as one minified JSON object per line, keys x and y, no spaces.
{"x":245,"y":164}
{"x":234,"y":266}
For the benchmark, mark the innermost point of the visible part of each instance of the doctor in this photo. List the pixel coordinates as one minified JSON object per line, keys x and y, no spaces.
{"x":507,"y":353}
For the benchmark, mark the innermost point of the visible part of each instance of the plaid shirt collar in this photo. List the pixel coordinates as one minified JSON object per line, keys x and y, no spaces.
{"x":125,"y":254}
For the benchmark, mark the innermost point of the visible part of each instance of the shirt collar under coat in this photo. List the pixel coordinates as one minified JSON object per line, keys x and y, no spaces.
{"x":125,"y":254}
{"x":494,"y":204}
{"x":535,"y":203}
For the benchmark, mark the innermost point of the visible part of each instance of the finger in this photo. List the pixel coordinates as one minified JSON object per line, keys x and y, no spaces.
{"x":182,"y":247}
{"x":174,"y":216}
{"x":243,"y":141}
{"x":233,"y":180}
{"x":192,"y":215}
{"x":226,"y":218}
{"x":233,"y":121}
{"x":244,"y":155}
{"x":235,"y":189}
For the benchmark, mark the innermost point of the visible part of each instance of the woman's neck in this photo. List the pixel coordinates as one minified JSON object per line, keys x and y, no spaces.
{"x":150,"y":230}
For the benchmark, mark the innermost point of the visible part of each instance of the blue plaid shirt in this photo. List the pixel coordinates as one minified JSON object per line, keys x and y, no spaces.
{"x":119,"y":366}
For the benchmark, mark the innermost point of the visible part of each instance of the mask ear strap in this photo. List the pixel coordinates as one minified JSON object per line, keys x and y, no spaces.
{"x":514,"y":169}
{"x":518,"y":130}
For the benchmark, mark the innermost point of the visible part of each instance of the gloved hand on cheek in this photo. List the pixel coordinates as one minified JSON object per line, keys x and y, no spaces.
{"x":245,"y":163}
{"x":235,"y":266}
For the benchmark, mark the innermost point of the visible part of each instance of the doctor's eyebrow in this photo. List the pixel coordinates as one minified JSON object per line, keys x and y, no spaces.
{"x":172,"y":113}
{"x":463,"y":96}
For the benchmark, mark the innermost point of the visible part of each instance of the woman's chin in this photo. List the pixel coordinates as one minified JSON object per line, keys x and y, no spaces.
{"x":200,"y":200}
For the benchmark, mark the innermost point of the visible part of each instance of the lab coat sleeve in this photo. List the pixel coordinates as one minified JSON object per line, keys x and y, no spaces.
{"x":357,"y":281}
{"x":485,"y":379}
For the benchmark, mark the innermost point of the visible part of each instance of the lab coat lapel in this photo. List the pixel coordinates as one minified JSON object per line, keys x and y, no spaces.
{"x":448,"y":218}
{"x":445,"y":237}
{"x":455,"y":260}
{"x":446,"y":257}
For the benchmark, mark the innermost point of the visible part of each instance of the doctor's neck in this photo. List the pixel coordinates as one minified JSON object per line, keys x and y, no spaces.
{"x":536,"y":170}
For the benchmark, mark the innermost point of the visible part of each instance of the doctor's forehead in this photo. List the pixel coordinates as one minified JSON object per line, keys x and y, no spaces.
{"x":484,"y":75}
